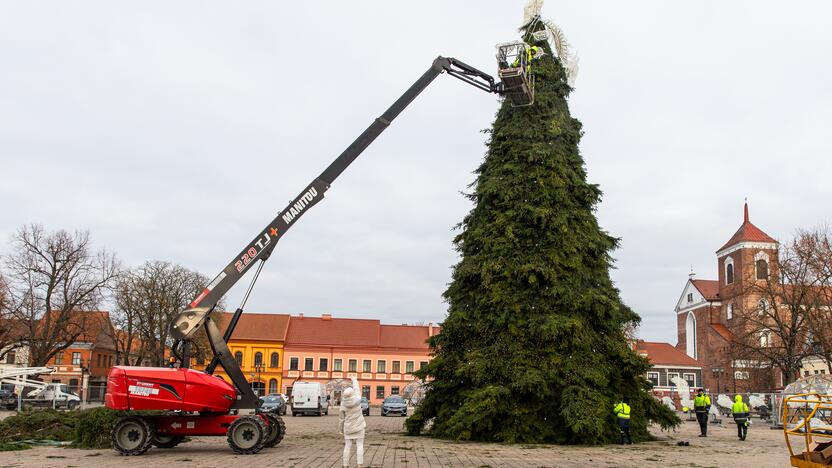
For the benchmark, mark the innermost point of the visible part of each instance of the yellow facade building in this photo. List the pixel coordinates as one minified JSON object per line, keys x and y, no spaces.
{"x":257,"y":345}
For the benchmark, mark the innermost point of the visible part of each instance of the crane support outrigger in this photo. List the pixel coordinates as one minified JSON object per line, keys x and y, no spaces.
{"x":203,"y":405}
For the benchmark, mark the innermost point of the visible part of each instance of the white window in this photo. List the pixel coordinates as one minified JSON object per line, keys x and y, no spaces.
{"x":653,"y":377}
{"x":690,"y":297}
{"x":729,"y":270}
{"x":765,"y":338}
{"x":761,"y":265}
{"x":670,"y":376}
{"x":730,"y":311}
{"x":690,"y":379}
{"x":741,"y":375}
{"x":762,"y":306}
{"x":690,"y":335}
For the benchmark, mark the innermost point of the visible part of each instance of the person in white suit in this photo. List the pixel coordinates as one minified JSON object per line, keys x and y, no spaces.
{"x":351,"y":423}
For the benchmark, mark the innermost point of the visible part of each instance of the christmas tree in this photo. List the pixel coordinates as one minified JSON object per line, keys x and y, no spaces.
{"x":534,"y":347}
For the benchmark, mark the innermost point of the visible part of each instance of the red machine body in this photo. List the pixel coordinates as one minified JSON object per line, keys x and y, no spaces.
{"x":166,"y":389}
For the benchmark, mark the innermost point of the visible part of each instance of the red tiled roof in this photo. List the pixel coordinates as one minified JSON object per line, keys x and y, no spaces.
{"x":404,"y":336}
{"x":90,"y":324}
{"x":258,"y":327}
{"x":328,"y":331}
{"x":665,"y":354}
{"x":708,"y":288}
{"x":722,"y":330}
{"x":747,"y":233}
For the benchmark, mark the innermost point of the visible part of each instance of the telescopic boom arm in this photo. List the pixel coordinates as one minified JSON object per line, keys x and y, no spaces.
{"x":189,"y":321}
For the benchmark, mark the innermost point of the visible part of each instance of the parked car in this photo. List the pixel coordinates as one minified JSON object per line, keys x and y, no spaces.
{"x":309,"y":398}
{"x":365,"y":406}
{"x":394,"y":404}
{"x":273,"y":403}
{"x":8,"y":400}
{"x":50,"y":395}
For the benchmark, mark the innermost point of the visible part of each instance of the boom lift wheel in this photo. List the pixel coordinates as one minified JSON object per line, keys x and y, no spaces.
{"x":247,"y":434}
{"x":163,"y":441}
{"x":132,"y":436}
{"x":277,"y":429}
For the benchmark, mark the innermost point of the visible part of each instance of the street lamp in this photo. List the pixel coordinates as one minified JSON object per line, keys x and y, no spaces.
{"x":259,"y":368}
{"x":717,"y":371}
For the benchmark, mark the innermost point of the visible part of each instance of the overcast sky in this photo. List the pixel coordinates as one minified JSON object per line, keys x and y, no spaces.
{"x":177,"y":130}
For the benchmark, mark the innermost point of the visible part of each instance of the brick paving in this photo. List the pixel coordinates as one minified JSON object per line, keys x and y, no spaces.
{"x":313,"y":442}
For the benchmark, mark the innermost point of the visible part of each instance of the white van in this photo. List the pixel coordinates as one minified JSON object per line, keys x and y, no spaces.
{"x":309,"y":398}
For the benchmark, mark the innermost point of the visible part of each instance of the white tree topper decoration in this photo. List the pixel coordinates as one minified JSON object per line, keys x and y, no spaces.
{"x":555,"y":36}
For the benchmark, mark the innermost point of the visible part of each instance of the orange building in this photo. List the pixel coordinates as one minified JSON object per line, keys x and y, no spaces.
{"x":382,"y":357}
{"x":257,"y":345}
{"x":84,"y":365}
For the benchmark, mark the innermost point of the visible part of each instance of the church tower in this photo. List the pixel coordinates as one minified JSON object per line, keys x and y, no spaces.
{"x":749,"y":256}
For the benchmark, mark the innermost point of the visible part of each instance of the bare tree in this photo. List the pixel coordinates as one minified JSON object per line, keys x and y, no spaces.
{"x":819,"y":243}
{"x":771,"y":315}
{"x":52,"y":278}
{"x":9,"y":331}
{"x":148,"y":298}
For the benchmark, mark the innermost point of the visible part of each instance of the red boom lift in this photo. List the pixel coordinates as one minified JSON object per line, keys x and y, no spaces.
{"x":195,"y":403}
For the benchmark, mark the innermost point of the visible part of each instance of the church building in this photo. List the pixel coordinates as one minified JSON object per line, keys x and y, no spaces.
{"x":705,"y":310}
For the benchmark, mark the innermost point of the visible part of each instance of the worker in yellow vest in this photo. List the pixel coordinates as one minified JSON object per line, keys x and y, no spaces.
{"x":532,"y":53}
{"x":622,"y":413}
{"x":740,"y":412}
{"x":702,"y":406}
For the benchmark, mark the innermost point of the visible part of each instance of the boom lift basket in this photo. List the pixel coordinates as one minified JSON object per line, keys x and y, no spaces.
{"x":513,"y":68}
{"x":808,"y":418}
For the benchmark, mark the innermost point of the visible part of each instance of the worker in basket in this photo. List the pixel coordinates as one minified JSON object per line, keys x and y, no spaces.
{"x":532,"y":53}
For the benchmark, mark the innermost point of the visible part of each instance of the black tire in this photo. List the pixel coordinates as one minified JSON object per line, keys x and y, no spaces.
{"x":166,"y":442}
{"x":132,"y":436}
{"x":277,"y":429}
{"x":71,"y":405}
{"x":247,"y":434}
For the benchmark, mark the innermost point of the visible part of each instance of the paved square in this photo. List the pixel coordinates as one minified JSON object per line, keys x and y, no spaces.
{"x":313,"y":442}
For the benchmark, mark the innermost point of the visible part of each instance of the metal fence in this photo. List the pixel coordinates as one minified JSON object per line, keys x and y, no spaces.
{"x":766,"y":406}
{"x":96,"y":391}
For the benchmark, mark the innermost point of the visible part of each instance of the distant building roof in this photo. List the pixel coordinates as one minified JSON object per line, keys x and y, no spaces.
{"x":88,"y":325}
{"x":708,"y":288}
{"x":665,"y":354}
{"x":329,"y":331}
{"x":404,"y":336}
{"x":257,"y":327}
{"x":722,"y":330}
{"x":747,"y":233}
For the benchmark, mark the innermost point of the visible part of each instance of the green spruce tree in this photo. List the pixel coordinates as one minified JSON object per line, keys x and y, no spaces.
{"x":533,"y":348}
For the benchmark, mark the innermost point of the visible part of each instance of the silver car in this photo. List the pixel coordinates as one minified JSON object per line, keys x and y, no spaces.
{"x":394,"y":404}
{"x":365,"y":406}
